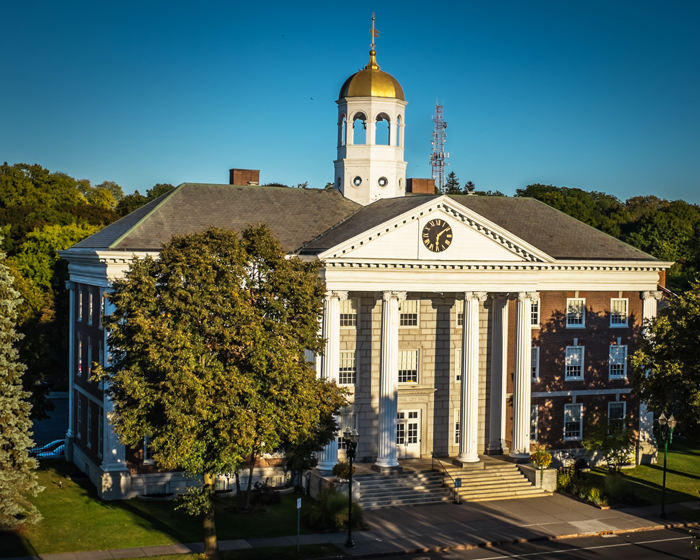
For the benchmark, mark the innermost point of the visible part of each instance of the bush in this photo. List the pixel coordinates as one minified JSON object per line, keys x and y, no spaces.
{"x":330,"y":512}
{"x":342,"y":470}
{"x":565,"y":480}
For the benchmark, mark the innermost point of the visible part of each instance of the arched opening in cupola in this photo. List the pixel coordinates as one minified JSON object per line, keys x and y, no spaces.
{"x":398,"y":131}
{"x":359,"y":128}
{"x":383,"y":130}
{"x":342,"y":140}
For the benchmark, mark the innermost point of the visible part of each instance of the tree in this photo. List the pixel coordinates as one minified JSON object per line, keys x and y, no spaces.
{"x":17,"y":476}
{"x":158,"y":190}
{"x":469,"y":187}
{"x":209,"y":356}
{"x":615,"y":442}
{"x":329,"y":186}
{"x":452,"y":184}
{"x":666,"y":367}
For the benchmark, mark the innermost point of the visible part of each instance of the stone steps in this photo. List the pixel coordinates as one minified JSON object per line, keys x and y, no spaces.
{"x":409,"y":489}
{"x":502,"y":482}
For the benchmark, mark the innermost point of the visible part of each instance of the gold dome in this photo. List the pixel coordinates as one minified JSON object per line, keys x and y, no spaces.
{"x":372,"y":82}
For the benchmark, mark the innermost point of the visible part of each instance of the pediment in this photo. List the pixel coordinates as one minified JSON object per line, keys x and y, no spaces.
{"x":473,"y":238}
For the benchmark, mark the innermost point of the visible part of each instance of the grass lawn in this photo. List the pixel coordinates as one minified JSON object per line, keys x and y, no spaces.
{"x":645,"y":481}
{"x":288,"y":553}
{"x":76,"y":520}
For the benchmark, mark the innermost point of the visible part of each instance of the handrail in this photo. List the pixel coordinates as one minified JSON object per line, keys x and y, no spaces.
{"x":445,"y":472}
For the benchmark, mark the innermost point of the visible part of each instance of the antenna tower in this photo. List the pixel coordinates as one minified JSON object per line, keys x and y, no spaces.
{"x":438,"y":157}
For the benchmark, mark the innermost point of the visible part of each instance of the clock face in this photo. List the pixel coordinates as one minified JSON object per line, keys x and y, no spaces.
{"x":437,"y":235}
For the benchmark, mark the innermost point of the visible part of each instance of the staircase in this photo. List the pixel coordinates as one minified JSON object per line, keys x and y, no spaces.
{"x":498,"y":480}
{"x":408,"y":489}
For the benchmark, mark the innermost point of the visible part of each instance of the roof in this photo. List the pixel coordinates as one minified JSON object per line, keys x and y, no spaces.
{"x":553,"y":232}
{"x":295,"y":216}
{"x":372,"y":82}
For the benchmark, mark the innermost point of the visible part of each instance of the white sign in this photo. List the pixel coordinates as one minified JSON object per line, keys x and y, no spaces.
{"x":298,"y":503}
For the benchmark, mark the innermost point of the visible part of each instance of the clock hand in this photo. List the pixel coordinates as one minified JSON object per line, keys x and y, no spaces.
{"x":437,"y":237}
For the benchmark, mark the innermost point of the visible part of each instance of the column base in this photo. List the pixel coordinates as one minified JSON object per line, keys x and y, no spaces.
{"x":495,"y":450}
{"x":468,"y":457}
{"x":386,"y":470}
{"x":519,"y":458}
{"x":325,"y":467}
{"x":476,"y":465}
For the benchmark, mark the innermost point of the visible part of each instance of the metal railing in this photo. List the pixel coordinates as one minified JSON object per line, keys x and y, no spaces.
{"x":443,"y":473}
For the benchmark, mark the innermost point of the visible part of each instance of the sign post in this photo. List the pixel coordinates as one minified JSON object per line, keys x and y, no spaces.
{"x":458,"y":485}
{"x":298,"y":521}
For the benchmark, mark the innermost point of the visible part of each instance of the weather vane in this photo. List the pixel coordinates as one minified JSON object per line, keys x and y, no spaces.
{"x":375,"y":32}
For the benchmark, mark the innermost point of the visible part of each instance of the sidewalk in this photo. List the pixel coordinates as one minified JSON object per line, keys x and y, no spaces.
{"x":444,"y":526}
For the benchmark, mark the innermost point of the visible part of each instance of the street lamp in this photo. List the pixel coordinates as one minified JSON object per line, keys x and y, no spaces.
{"x":666,"y":435}
{"x":351,"y":438}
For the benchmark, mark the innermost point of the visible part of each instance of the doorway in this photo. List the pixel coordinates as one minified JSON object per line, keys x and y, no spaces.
{"x":408,"y":434}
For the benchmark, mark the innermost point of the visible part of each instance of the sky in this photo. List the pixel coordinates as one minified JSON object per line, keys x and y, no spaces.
{"x":598,"y":95}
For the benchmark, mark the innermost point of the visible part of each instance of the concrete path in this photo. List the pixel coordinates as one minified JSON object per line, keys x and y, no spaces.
{"x":445,"y":526}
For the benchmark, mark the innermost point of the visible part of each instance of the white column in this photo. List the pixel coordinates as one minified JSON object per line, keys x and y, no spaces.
{"x":330,"y":363}
{"x":646,"y":419}
{"x":389,"y":379}
{"x":70,"y":434}
{"x":522,"y":386}
{"x":499,"y":354}
{"x":469,"y":393}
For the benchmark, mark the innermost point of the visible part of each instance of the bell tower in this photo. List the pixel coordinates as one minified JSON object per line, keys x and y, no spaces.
{"x":371,"y":120}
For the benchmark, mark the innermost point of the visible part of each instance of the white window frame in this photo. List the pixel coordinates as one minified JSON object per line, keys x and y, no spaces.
{"x":458,"y":365}
{"x":616,"y":321}
{"x":570,"y":317}
{"x":534,"y":421}
{"x":349,"y":313}
{"x":79,"y":417}
{"x":535,"y":314}
{"x":348,"y":360}
{"x":101,"y":317}
{"x":612,"y":361}
{"x":406,"y":308}
{"x":88,"y":432}
{"x":567,"y":377}
{"x":624,"y":412}
{"x":535,"y":363}
{"x":455,"y":428}
{"x":147,"y":452}
{"x":100,"y":431}
{"x":580,"y":423}
{"x":89,"y":294}
{"x":403,"y":360}
{"x":80,"y":303}
{"x":79,"y":365}
{"x":459,"y":315}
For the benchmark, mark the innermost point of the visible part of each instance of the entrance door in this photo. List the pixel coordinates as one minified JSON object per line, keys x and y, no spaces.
{"x":407,"y":434}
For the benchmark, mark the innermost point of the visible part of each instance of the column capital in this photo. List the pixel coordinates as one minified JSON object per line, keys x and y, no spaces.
{"x":389,"y":295}
{"x":479,"y":296}
{"x":534,"y":297}
{"x":498,"y":295}
{"x":341,"y":296}
{"x":655,"y":294}
{"x":70,"y":285}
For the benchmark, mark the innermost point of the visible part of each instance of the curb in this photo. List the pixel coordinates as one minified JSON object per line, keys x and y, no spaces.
{"x":514,"y":541}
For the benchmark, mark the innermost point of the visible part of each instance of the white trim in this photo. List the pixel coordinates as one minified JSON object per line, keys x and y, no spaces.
{"x":624,"y":362}
{"x":582,"y":393}
{"x":415,"y":302}
{"x":580,"y":426}
{"x":145,"y":448}
{"x":416,"y":353}
{"x":583,"y":356}
{"x":354,"y":304}
{"x":458,"y":366}
{"x":352,"y":353}
{"x":583,"y":313}
{"x":627,"y":314}
{"x":535,"y":363}
{"x":538,"y":306}
{"x":624,"y":409}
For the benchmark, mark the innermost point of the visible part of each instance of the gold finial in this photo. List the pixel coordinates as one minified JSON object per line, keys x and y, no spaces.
{"x":372,"y":53}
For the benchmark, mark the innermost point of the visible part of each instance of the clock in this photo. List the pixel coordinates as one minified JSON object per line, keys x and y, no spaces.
{"x":437,"y":235}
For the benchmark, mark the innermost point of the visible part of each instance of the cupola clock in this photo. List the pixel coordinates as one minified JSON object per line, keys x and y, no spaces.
{"x":437,"y":235}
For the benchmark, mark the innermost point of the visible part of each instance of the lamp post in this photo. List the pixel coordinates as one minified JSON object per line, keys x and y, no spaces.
{"x":351,"y":438}
{"x":666,"y":435}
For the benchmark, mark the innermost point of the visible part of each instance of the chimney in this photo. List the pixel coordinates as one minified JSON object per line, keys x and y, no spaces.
{"x":244,"y":177}
{"x":420,"y":186}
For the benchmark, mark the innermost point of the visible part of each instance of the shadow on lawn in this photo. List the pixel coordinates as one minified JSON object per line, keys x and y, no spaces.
{"x":12,"y":544}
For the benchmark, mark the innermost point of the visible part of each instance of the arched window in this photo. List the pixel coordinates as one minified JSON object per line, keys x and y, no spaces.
{"x":343,"y":130}
{"x":359,"y":128}
{"x":398,"y":131}
{"x":383,"y":130}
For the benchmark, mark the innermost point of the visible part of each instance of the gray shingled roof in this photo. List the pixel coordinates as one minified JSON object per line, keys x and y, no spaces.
{"x":550,"y":230}
{"x":296,"y":216}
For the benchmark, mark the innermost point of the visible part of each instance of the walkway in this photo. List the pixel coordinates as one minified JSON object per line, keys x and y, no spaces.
{"x":445,"y":526}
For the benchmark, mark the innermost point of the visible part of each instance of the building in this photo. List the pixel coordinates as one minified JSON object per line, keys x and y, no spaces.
{"x":463,"y":325}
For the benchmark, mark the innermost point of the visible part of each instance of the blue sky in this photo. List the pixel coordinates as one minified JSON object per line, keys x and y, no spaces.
{"x":597,"y":95}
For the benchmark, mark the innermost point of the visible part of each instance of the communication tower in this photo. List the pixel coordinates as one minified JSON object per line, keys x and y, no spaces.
{"x":438,"y":157}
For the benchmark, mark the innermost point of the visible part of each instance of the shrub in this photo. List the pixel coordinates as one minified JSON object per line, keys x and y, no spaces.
{"x":342,"y":470}
{"x":594,"y":496}
{"x":565,"y":480}
{"x":330,"y":512}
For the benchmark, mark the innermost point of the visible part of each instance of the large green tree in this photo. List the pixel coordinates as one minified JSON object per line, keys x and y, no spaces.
{"x":666,"y":367}
{"x":209,"y":356}
{"x":452,"y":184}
{"x":17,"y":469}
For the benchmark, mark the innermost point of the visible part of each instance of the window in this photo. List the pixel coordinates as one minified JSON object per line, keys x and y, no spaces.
{"x":408,"y":366}
{"x":574,"y":363}
{"x":80,"y":354}
{"x":535,"y":314}
{"x":345,"y":420}
{"x":460,"y":316}
{"x":80,"y":303}
{"x":457,"y":427}
{"x":348,"y":313}
{"x":147,"y":451}
{"x":535,"y":363}
{"x":618,"y":361}
{"x":102,"y":310}
{"x":101,"y":355}
{"x":100,"y":431}
{"x":533,"y":422}
{"x":79,"y":417}
{"x":346,"y":372}
{"x":618,"y":312}
{"x":572,"y":421}
{"x":458,"y":364}
{"x":576,"y":313}
{"x":408,"y":313}
{"x":89,"y":359}
{"x":89,"y":295}
{"x":616,"y":416}
{"x":89,"y":425}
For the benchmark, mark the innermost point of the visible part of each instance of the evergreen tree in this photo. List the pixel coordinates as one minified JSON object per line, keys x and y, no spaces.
{"x":452,"y":184}
{"x":209,"y":357}
{"x":17,"y":476}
